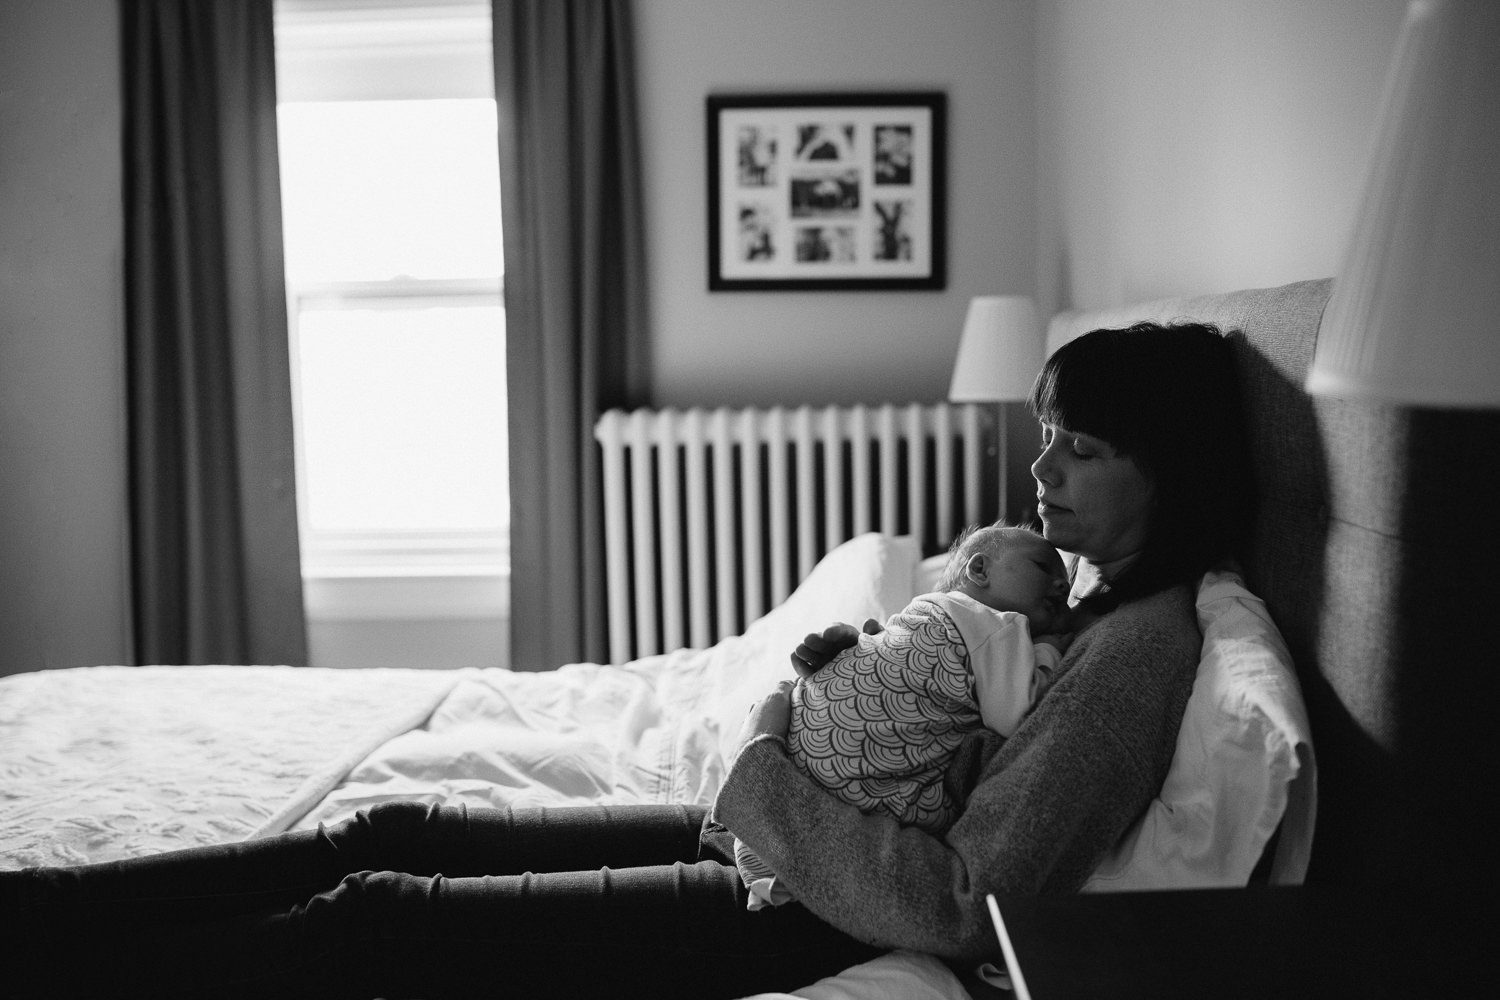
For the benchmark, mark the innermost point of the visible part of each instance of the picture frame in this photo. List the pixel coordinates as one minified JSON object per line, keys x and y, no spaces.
{"x":827,"y":191}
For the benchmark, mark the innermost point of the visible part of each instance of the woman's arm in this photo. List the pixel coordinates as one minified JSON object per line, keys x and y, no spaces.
{"x":1044,"y":808}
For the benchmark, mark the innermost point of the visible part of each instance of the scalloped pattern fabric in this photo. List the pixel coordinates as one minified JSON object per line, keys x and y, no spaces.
{"x":877,"y":726}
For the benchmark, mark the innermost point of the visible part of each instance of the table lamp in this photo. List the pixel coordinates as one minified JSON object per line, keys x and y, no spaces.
{"x":1414,"y":318}
{"x":999,"y":356}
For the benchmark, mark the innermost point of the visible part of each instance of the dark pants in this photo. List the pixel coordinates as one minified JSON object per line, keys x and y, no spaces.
{"x":410,"y":901}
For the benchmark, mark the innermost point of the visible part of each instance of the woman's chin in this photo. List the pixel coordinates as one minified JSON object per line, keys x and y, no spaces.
{"x":1056,"y":530}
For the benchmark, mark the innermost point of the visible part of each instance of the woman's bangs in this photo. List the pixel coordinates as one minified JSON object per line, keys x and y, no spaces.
{"x":1083,"y":398}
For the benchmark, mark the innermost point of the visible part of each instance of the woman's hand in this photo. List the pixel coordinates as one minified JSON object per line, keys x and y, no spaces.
{"x":818,"y":648}
{"x":771,"y":716}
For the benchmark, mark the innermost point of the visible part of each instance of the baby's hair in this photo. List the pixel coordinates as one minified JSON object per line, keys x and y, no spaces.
{"x":988,"y":539}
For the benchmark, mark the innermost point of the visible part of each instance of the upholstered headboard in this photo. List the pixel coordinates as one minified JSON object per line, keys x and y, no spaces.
{"x":1375,"y":549}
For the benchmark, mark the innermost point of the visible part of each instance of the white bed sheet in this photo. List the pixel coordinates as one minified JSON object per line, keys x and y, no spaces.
{"x":101,"y":763}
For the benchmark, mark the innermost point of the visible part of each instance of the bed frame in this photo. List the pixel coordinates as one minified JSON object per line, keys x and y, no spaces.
{"x":1375,"y":548}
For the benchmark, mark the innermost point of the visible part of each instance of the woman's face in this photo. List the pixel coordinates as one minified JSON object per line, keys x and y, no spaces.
{"x":1092,"y":500}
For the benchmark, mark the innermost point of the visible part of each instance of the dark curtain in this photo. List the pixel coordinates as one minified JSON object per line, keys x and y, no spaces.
{"x":574,"y":301}
{"x":215,"y":568}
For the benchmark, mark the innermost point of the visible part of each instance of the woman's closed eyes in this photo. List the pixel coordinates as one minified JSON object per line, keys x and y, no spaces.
{"x":1080,"y":446}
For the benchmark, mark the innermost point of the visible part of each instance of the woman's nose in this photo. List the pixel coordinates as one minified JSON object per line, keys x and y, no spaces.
{"x":1042,"y":470}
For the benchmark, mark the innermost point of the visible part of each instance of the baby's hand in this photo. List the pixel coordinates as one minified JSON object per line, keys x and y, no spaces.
{"x":818,"y":649}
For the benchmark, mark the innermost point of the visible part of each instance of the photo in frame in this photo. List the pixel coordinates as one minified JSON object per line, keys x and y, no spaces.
{"x":826,"y":191}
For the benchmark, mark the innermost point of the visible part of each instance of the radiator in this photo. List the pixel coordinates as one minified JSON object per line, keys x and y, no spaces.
{"x":714,"y":516}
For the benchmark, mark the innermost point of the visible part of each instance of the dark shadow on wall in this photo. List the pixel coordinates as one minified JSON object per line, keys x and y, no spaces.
{"x":1298,"y":535}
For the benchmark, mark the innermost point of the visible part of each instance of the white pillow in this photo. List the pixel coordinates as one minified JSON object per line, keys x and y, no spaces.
{"x":929,"y":571}
{"x":1243,"y":763}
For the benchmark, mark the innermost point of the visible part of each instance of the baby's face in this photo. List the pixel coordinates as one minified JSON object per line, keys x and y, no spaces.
{"x":1028,"y":576}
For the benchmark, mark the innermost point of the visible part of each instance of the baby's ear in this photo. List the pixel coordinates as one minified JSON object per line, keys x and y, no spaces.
{"x":977,"y":568}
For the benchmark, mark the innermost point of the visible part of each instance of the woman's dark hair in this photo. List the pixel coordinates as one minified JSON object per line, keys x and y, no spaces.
{"x":1168,"y":397}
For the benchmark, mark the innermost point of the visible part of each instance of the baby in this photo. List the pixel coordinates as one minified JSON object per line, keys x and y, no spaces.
{"x":880,"y":723}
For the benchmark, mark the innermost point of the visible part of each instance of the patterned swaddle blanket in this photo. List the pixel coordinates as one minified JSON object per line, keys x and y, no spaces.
{"x":878,"y":725}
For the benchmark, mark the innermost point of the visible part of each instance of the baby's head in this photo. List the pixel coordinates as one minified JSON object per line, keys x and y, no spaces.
{"x":1009,"y":569}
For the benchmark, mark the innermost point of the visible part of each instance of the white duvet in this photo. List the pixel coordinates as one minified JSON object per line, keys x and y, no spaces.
{"x":109,"y":762}
{"x":657,"y":729}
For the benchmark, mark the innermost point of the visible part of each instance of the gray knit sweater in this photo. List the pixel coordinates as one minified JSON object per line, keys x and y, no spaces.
{"x":1040,"y":809}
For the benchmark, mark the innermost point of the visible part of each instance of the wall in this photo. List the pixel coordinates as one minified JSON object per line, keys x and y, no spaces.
{"x":1189,"y":147}
{"x":823,"y":347}
{"x":63,"y":550}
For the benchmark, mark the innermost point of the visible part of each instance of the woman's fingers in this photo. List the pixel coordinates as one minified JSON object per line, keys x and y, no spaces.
{"x":772,"y":715}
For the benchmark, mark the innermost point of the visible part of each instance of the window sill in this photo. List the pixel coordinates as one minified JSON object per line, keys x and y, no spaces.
{"x":408,"y":593}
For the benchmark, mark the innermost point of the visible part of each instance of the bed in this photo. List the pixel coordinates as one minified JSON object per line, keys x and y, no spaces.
{"x":106,"y":762}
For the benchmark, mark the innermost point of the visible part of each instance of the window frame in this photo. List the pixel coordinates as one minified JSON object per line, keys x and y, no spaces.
{"x":377,"y":50}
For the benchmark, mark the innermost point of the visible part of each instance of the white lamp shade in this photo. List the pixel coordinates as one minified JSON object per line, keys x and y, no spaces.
{"x":1415,"y":313}
{"x":1001,"y":350}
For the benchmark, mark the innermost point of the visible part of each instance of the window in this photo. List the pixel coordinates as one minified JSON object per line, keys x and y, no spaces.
{"x":391,"y":220}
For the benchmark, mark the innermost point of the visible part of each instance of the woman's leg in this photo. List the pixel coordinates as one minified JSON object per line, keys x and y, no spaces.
{"x":681,"y":930}
{"x":456,"y":841}
{"x":640,"y":908}
{"x":279,"y":871}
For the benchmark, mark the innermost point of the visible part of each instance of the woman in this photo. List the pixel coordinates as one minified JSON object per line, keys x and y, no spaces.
{"x":1142,"y":474}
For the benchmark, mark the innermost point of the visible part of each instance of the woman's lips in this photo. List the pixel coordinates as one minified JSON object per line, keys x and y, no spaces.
{"x":1048,"y":507}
